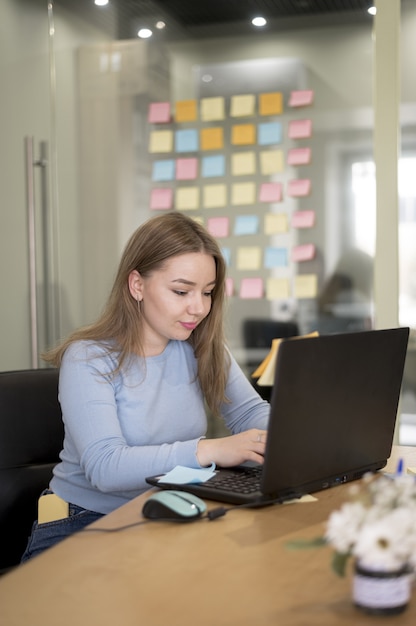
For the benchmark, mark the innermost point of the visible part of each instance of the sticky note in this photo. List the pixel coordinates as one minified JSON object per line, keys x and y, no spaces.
{"x":243,"y":163}
{"x":303,"y":219}
{"x":246,"y":225}
{"x":186,"y":169}
{"x":251,"y":288}
{"x":275,"y":223}
{"x":304,"y":252}
{"x":214,"y":196}
{"x":269,"y":133}
{"x":186,"y":140}
{"x":243,"y":193}
{"x":275,"y":257}
{"x":181,"y":475}
{"x":271,"y":103}
{"x":186,"y":111}
{"x":301,"y":98}
{"x":271,"y":162}
{"x":187,"y":198}
{"x":213,"y":166}
{"x":242,"y":106}
{"x":299,"y":156}
{"x":243,"y":134}
{"x":159,"y":113}
{"x":270,"y":192}
{"x":160,"y":141}
{"x":212,"y":109}
{"x":299,"y":187}
{"x":212,"y":138}
{"x":229,"y":286}
{"x":226,"y":253}
{"x":300,"y":129}
{"x":161,"y":198}
{"x":249,"y":258}
{"x":305,"y":286}
{"x":163,"y":170}
{"x":277,"y":289}
{"x":218,"y":226}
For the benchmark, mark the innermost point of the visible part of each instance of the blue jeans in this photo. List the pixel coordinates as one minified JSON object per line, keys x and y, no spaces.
{"x":46,"y":535}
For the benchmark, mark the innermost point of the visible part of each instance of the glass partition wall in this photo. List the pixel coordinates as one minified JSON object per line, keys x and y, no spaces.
{"x":286,"y":185}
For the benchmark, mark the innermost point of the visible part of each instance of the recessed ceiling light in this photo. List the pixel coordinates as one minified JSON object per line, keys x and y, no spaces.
{"x":101,"y":3}
{"x":372,"y":10}
{"x":160,"y":25}
{"x":259,"y":21}
{"x":144,"y":33}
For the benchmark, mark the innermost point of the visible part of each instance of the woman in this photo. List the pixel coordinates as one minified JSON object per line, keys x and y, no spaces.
{"x":134,"y":385}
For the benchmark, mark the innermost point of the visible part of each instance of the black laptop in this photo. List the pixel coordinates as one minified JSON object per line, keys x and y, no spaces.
{"x":332,"y":419}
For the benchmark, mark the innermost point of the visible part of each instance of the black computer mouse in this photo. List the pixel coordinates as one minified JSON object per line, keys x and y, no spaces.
{"x":172,"y":505}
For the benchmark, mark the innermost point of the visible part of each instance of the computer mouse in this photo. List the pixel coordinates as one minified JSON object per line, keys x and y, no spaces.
{"x":172,"y":505}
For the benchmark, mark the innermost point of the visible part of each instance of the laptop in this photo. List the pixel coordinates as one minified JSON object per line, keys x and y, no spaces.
{"x":332,"y":418}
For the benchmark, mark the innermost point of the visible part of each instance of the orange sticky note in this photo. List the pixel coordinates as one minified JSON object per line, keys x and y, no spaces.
{"x":243,"y":134}
{"x":212,"y":138}
{"x":186,"y":111}
{"x":271,"y":103}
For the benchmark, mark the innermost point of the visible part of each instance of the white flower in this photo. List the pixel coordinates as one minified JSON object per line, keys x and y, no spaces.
{"x":343,"y":526}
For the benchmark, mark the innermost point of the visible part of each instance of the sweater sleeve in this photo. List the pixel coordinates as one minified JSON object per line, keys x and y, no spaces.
{"x":246,"y":408}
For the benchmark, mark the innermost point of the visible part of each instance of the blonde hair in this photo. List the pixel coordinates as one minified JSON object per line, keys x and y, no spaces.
{"x":119,"y":327}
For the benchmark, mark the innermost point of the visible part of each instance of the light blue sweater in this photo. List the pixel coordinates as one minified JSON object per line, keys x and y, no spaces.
{"x":142,"y":422}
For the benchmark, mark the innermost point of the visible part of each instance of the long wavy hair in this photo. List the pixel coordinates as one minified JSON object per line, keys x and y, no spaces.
{"x":119,"y":328}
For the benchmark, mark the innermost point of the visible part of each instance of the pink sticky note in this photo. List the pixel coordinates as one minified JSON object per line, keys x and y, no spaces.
{"x":159,"y":113}
{"x":251,"y":288}
{"x":161,"y":199}
{"x":186,"y":169}
{"x":270,"y":192}
{"x":299,"y":187}
{"x":300,"y":129}
{"x":301,"y":98}
{"x":218,"y":226}
{"x":303,"y":219}
{"x":299,"y":156}
{"x":305,"y":252}
{"x":229,"y":287}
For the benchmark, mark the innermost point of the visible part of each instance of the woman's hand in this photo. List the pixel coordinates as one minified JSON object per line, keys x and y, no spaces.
{"x":234,"y":449}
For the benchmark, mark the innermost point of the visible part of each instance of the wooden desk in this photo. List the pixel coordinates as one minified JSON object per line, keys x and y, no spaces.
{"x":234,"y":571}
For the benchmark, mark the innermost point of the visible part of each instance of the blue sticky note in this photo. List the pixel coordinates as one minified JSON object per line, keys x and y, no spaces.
{"x":213,"y":166}
{"x":269,"y":133}
{"x":275,"y":257}
{"x":186,"y":140}
{"x":246,"y":225}
{"x":181,"y":475}
{"x":226,"y":253}
{"x":163,"y":170}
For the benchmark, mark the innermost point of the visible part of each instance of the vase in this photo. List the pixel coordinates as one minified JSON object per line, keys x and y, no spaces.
{"x":381,"y":592}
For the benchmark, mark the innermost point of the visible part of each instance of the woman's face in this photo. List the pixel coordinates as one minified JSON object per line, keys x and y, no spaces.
{"x":174,"y":299}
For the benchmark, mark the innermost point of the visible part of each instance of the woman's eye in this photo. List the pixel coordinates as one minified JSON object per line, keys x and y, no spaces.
{"x":208,"y":294}
{"x":180,"y":293}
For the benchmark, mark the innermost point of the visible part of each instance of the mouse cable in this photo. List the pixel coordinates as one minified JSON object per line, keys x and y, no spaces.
{"x":222,"y":510}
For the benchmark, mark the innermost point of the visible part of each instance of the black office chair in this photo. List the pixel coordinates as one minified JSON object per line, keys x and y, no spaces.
{"x":31,"y":437}
{"x":258,"y":334}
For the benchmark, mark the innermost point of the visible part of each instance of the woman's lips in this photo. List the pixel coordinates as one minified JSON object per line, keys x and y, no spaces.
{"x":189,"y":325}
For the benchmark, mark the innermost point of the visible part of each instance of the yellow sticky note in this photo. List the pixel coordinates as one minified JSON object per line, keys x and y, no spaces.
{"x":243,"y":193}
{"x":243,"y":134}
{"x":271,"y":103}
{"x":275,"y":223}
{"x":212,"y":109}
{"x":243,"y":106}
{"x":243,"y":163}
{"x":187,"y":198}
{"x":277,"y":289}
{"x":271,"y":162}
{"x":212,"y":139}
{"x":214,"y":196}
{"x":186,"y":111}
{"x":249,"y":258}
{"x":161,"y":141}
{"x":306,"y":286}
{"x":411,"y":470}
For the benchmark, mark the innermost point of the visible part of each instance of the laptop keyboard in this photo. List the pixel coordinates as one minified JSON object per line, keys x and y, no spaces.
{"x":246,"y":481}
